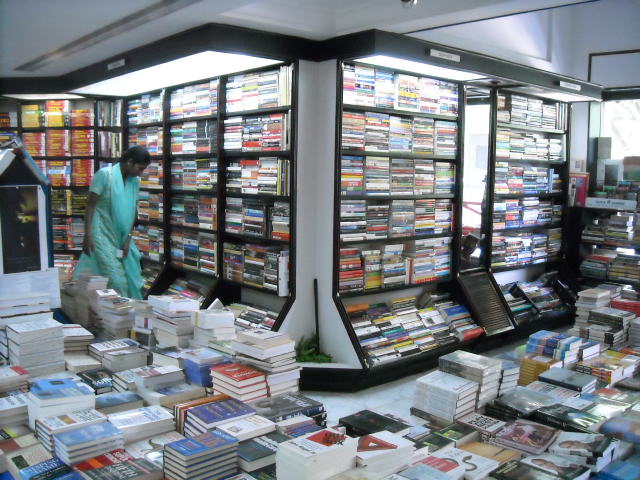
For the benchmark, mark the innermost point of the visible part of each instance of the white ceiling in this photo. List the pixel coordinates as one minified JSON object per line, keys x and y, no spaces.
{"x":30,"y":28}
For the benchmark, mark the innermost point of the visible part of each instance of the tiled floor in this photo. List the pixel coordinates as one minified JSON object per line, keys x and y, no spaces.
{"x":394,"y":397}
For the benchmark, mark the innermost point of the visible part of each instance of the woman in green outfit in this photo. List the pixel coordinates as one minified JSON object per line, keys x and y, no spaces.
{"x":109,"y":220}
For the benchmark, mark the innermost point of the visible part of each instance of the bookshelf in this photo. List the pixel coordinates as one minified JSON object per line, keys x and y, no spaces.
{"x":217,"y":200}
{"x":396,"y":207}
{"x":528,"y":178}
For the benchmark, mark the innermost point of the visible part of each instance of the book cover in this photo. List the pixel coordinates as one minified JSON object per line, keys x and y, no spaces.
{"x":433,"y":443}
{"x":237,"y":373}
{"x":515,"y":470}
{"x":208,"y":442}
{"x":561,"y":467}
{"x":623,"y":427}
{"x":223,"y":410}
{"x":282,"y":406}
{"x":568,"y":418}
{"x":525,"y":435}
{"x":581,"y":444}
{"x":475,"y":466}
{"x":109,"y":458}
{"x":74,"y":438}
{"x":108,"y":400}
{"x":483,"y":423}
{"x":492,"y":452}
{"x":261,"y":447}
{"x":367,"y":422}
{"x":460,"y":434}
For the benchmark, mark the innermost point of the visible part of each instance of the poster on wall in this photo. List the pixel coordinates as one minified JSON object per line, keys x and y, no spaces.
{"x":23,"y":241}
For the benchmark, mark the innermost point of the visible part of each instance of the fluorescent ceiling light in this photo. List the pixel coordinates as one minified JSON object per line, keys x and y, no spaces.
{"x":420,"y":68}
{"x":183,"y":70}
{"x":43,"y":96}
{"x":555,"y":95}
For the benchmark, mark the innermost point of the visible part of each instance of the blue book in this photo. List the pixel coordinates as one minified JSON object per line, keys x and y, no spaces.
{"x":98,"y":433}
{"x":620,"y":470}
{"x":113,"y":399}
{"x":207,"y":443}
{"x":50,"y":468}
{"x":59,"y":389}
{"x":211,"y":414}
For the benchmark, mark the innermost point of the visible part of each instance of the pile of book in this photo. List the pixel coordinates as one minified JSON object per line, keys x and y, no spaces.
{"x":37,"y":346}
{"x":212,"y":325}
{"x":113,"y":314}
{"x":561,"y":377}
{"x":609,"y":366}
{"x":253,"y":316}
{"x":172,"y":325}
{"x":12,"y":378}
{"x":239,"y":381}
{"x":445,"y":396}
{"x":47,"y":427}
{"x":208,"y":455}
{"x":272,"y":353}
{"x":51,"y":397}
{"x":76,"y":338}
{"x":532,"y":365}
{"x":483,"y":370}
{"x":164,"y":385}
{"x":86,"y":442}
{"x":21,"y":308}
{"x":142,"y":422}
{"x":198,"y":363}
{"x":509,"y":374}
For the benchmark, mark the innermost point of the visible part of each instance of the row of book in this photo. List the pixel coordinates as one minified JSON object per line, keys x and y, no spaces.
{"x":195,"y":137}
{"x":189,"y":288}
{"x":194,"y":251}
{"x":68,"y":233}
{"x":59,"y":143}
{"x":145,"y":109}
{"x":397,"y":329}
{"x":109,"y":113}
{"x":615,"y":229}
{"x":380,"y":132}
{"x":609,"y":264}
{"x":514,"y":179}
{"x":55,"y":113}
{"x":395,"y":176}
{"x":375,"y":219}
{"x":150,"y":272}
{"x":65,"y":173}
{"x":199,"y":100}
{"x":257,"y":133}
{"x":153,"y":176}
{"x":150,"y":242}
{"x":261,"y":176}
{"x":525,"y":212}
{"x":531,"y":112}
{"x":394,"y":265}
{"x":8,"y":119}
{"x":194,"y":174}
{"x":147,"y":137}
{"x":68,"y":202}
{"x":257,"y":219}
{"x":525,"y":248}
{"x":514,"y":145}
{"x":378,"y":87}
{"x":256,"y":90}
{"x":257,"y":266}
{"x":150,"y":206}
{"x":622,"y":189}
{"x":199,"y":211}
{"x":109,"y":144}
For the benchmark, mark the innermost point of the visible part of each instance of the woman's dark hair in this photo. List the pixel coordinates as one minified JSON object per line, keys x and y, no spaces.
{"x":137,"y":154}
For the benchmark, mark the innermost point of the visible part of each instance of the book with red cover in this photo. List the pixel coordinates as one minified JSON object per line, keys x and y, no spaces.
{"x":237,"y":374}
{"x":109,"y":458}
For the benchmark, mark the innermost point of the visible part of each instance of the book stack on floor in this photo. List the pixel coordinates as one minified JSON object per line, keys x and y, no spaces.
{"x":532,"y":365}
{"x":87,"y":442}
{"x":485,"y":371}
{"x":316,"y":456}
{"x":383,"y":453}
{"x":142,"y":330}
{"x":76,"y":338}
{"x":588,"y":300}
{"x":125,"y":359}
{"x":366,"y":422}
{"x":216,"y":410}
{"x":97,"y":350}
{"x":259,"y":452}
{"x":47,"y":427}
{"x":615,"y":324}
{"x":172,"y":325}
{"x":37,"y":346}
{"x":13,"y":410}
{"x":164,"y":386}
{"x":526,"y":436}
{"x":142,"y":422}
{"x":79,"y":298}
{"x":51,"y":397}
{"x":13,"y":378}
{"x":562,"y":377}
{"x":288,"y":405}
{"x":198,"y":363}
{"x":21,"y":308}
{"x":569,"y":419}
{"x":209,"y":455}
{"x":520,"y":402}
{"x":445,"y":396}
{"x":587,"y":449}
{"x":114,"y":402}
{"x":115,"y":465}
{"x":609,"y":366}
{"x":272,"y":353}
{"x":297,"y":426}
{"x":556,"y":345}
{"x":239,"y":381}
{"x":114,"y":314}
{"x":509,"y":374}
{"x":213,"y":325}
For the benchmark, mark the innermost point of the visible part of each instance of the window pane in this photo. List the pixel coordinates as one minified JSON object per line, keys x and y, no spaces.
{"x":621,"y":122}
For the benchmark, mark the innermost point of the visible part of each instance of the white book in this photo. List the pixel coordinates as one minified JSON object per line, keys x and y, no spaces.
{"x":69,"y":421}
{"x":79,"y":362}
{"x":34,"y":331}
{"x":207,"y":319}
{"x":476,"y":467}
{"x":141,"y":448}
{"x":173,"y":303}
{"x":249,"y":427}
{"x":24,"y":299}
{"x":136,"y":424}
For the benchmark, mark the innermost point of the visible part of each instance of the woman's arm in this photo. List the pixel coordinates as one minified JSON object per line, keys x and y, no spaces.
{"x":92,"y":201}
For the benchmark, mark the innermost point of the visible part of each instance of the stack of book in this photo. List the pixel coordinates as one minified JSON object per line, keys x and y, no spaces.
{"x":37,"y":346}
{"x":568,"y":418}
{"x":114,"y":314}
{"x":86,"y":442}
{"x":142,"y":422}
{"x":259,"y":452}
{"x":198,"y":363}
{"x":509,"y":374}
{"x":114,"y":402}
{"x":212,"y":325}
{"x":316,"y":456}
{"x":557,"y":345}
{"x":239,"y":381}
{"x":49,"y":426}
{"x":125,"y":359}
{"x":98,"y":350}
{"x":588,"y":300}
{"x":366,"y":422}
{"x":118,"y":464}
{"x":485,"y":371}
{"x":13,"y":378}
{"x":52,"y":397}
{"x":519,"y":403}
{"x":208,"y":455}
{"x":561,"y":377}
{"x":272,"y":353}
{"x":609,"y":366}
{"x":77,"y":362}
{"x":383,"y":453}
{"x":172,"y":325}
{"x":532,"y":365}
{"x":14,"y":410}
{"x":525,"y":436}
{"x":587,"y":449}
{"x":288,"y":405}
{"x":76,"y":338}
{"x":208,"y":413}
{"x":248,"y":427}
{"x":164,"y":385}
{"x":297,"y":426}
{"x":445,"y":396}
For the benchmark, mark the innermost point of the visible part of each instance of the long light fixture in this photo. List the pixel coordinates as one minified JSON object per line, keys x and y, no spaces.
{"x":43,"y":96}
{"x":554,"y":94}
{"x":183,"y":70}
{"x":420,"y":68}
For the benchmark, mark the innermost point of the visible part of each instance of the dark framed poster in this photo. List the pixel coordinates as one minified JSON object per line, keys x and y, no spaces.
{"x":23,"y":240}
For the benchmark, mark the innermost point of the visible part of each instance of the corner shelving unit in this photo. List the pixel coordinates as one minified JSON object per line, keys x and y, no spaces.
{"x":397,"y":190}
{"x":528,"y":175}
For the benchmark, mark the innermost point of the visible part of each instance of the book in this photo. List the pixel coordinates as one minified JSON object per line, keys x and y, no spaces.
{"x":560,"y":467}
{"x":492,"y":452}
{"x":515,"y":470}
{"x":99,"y":379}
{"x":581,"y":444}
{"x":367,"y":422}
{"x":260,"y":451}
{"x":526,"y":436}
{"x":248,"y":427}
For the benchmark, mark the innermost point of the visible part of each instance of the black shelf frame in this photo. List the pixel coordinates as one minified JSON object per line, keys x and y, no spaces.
{"x":373,"y":241}
{"x":456,"y":198}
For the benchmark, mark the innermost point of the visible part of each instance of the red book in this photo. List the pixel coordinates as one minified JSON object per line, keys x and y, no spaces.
{"x":110,"y":458}
{"x":236,"y":374}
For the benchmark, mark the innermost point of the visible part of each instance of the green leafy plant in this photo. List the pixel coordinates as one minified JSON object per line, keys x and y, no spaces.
{"x":307,"y":351}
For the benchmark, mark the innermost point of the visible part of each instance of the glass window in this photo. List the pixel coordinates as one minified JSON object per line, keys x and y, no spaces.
{"x":621,"y":122}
